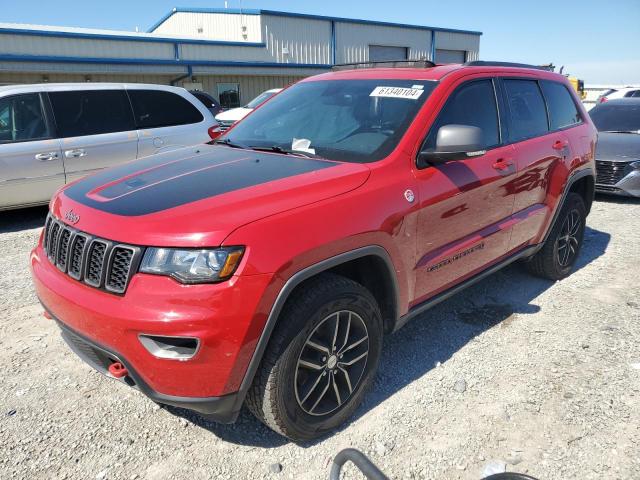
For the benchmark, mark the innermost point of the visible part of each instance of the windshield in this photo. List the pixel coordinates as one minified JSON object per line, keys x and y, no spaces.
{"x":347,"y":120}
{"x":616,"y":118}
{"x":263,"y":97}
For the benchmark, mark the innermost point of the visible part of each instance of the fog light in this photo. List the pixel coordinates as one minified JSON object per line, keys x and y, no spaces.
{"x":173,"y":348}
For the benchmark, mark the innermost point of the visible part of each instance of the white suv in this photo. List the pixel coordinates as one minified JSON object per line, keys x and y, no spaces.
{"x":52,"y":134}
{"x":227,"y":118}
{"x":612,"y":93}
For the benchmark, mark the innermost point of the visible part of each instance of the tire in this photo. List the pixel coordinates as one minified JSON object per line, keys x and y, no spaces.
{"x":286,"y":394}
{"x":556,"y":258}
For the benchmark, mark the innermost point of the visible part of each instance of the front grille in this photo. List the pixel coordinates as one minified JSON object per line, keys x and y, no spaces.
{"x":609,"y":173}
{"x":94,"y":261}
{"x":608,"y":189}
{"x":63,"y":248}
{"x":77,"y":254}
{"x":118,"y":275}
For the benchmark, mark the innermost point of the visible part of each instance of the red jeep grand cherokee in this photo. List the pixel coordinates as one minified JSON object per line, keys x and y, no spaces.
{"x":266,"y":268}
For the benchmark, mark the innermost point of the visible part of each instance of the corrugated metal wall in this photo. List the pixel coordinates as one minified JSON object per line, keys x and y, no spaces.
{"x":224,"y":53}
{"x":459,"y":41}
{"x":215,"y":26}
{"x":81,"y":47}
{"x":353,"y":41}
{"x":288,"y":40}
{"x":12,"y":78}
{"x":307,"y":41}
{"x":250,"y":87}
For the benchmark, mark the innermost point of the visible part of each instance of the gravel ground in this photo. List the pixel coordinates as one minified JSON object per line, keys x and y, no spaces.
{"x":515,"y":373}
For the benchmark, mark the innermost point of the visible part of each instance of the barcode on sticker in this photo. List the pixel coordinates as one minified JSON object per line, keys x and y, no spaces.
{"x":397,"y":92}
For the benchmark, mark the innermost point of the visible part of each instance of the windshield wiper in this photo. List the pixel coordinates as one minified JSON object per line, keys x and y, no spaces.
{"x":229,"y":143}
{"x":637,"y":132}
{"x":284,"y":151}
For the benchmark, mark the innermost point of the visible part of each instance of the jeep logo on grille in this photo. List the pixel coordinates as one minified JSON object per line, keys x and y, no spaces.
{"x":72,"y":217}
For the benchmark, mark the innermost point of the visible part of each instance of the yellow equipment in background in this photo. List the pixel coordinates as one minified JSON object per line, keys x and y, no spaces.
{"x":576,"y":83}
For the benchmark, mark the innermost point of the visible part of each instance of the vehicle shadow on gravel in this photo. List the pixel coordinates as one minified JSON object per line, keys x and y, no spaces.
{"x":432,"y":338}
{"x":22,"y":219}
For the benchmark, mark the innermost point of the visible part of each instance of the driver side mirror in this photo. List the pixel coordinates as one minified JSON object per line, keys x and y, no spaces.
{"x":453,"y":142}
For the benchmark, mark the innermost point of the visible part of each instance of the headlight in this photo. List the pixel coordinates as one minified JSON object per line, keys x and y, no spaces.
{"x":192,"y":266}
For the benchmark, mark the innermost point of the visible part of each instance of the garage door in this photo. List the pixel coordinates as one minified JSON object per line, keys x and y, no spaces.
{"x":450,"y":56}
{"x":382,"y":53}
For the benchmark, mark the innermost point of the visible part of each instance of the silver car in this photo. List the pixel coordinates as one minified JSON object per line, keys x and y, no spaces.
{"x":52,"y":134}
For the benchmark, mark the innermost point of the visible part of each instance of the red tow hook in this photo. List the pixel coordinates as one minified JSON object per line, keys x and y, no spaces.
{"x":46,"y":315}
{"x":118,"y":370}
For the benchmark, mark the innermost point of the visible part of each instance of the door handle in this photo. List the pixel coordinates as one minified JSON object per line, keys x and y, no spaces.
{"x":45,"y":157}
{"x":560,"y":144}
{"x":75,"y":153}
{"x":503,"y":164}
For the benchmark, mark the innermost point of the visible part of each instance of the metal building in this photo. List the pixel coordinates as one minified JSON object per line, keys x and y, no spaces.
{"x":236,"y":52}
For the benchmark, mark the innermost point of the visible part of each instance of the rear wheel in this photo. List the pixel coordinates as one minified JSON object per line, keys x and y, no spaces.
{"x":321,"y":359}
{"x":561,"y":249}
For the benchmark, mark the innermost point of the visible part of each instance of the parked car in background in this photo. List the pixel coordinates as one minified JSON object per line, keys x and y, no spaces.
{"x":618,"y":150}
{"x":229,"y":117}
{"x":268,"y":267}
{"x":613,"y":93}
{"x":208,"y":101}
{"x":52,"y":134}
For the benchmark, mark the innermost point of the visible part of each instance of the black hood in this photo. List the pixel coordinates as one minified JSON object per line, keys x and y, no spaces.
{"x":183,"y":176}
{"x":618,"y":147}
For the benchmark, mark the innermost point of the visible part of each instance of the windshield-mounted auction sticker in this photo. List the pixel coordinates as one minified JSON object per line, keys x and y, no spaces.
{"x":397,"y":92}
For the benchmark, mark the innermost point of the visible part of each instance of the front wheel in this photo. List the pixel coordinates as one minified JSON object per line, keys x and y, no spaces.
{"x":560,"y":251}
{"x":321,"y":359}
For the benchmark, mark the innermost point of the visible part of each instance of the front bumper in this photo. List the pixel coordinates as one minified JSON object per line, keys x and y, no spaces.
{"x":225,"y":317}
{"x":222,"y":409}
{"x":617,"y":178}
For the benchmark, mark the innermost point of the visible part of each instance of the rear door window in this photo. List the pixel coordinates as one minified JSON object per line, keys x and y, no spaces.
{"x":472,"y":104}
{"x":527,"y":111}
{"x":562,"y":109}
{"x":91,"y":112}
{"x":157,"y":108}
{"x":22,"y":119}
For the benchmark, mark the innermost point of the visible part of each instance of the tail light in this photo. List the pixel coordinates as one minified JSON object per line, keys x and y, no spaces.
{"x":603,"y":99}
{"x":214,"y":131}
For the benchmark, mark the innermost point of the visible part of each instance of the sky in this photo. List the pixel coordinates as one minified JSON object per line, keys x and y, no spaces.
{"x":596,"y":41}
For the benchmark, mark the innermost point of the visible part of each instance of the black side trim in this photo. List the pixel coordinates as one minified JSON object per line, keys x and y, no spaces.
{"x":433,"y":301}
{"x":219,"y":409}
{"x":289,"y":286}
{"x":527,"y":251}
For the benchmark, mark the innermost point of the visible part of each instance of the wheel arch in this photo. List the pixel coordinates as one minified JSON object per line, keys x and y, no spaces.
{"x":350,"y":264}
{"x":581,"y":182}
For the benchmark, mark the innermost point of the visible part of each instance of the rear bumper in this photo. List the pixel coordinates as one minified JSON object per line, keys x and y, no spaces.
{"x":222,"y":409}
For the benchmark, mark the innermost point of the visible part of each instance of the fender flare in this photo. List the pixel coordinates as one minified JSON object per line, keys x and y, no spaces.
{"x":284,"y":294}
{"x":573,"y":178}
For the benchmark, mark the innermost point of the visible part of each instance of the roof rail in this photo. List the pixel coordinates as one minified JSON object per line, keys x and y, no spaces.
{"x":387,"y":64}
{"x":483,"y":63}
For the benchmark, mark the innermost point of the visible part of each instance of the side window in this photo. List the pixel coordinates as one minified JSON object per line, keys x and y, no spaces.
{"x":91,"y":112}
{"x":22,"y":119}
{"x":633,"y":94}
{"x":157,"y":108}
{"x":472,"y":104}
{"x":562,"y":109}
{"x":526,"y":109}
